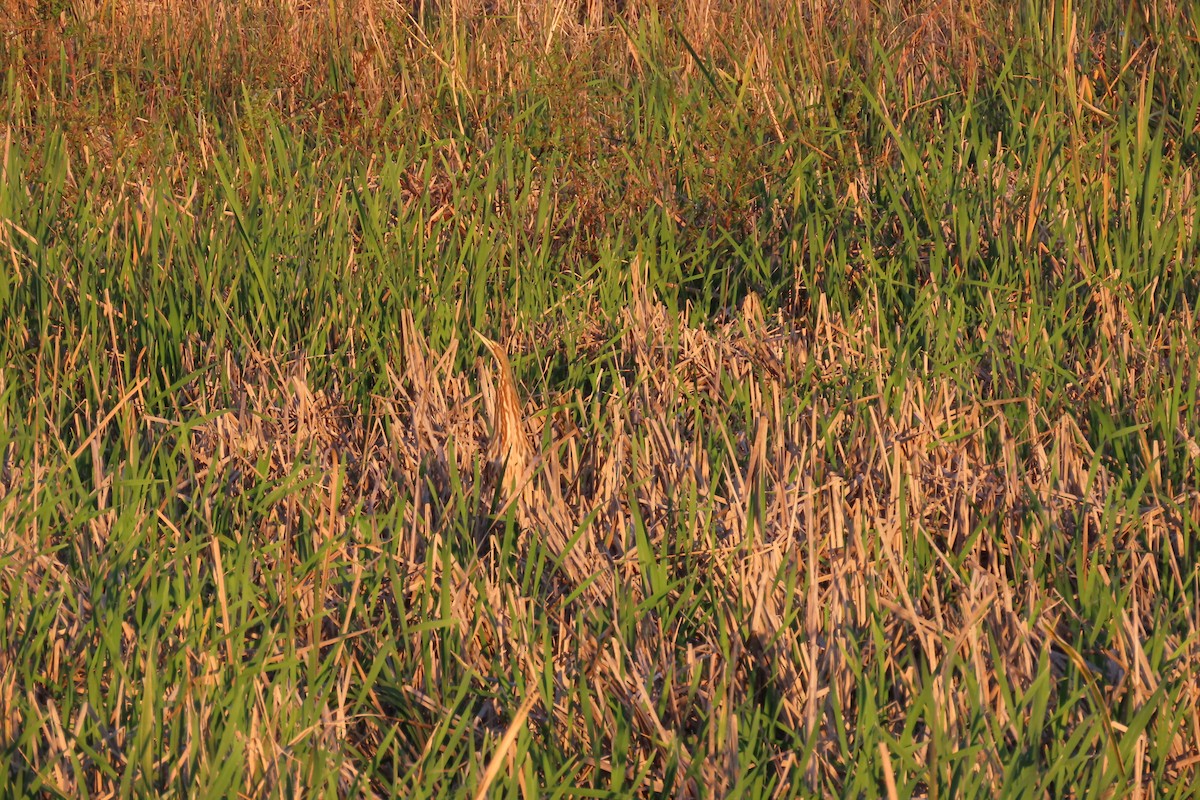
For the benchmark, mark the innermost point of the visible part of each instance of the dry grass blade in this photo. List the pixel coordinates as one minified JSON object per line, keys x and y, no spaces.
{"x":505,"y":744}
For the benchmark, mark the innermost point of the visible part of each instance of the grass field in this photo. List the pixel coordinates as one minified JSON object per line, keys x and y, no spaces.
{"x":599,"y":399}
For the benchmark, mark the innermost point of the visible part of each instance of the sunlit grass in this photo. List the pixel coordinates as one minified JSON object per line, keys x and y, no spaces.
{"x":859,"y":359}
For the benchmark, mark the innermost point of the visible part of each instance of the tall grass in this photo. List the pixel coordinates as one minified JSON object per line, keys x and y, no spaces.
{"x":859,"y":360}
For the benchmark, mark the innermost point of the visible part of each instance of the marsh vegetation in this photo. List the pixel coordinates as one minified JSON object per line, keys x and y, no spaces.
{"x":848,"y":440}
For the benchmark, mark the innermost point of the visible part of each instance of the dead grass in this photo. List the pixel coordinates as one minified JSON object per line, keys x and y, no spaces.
{"x":908,"y":503}
{"x":803,"y":531}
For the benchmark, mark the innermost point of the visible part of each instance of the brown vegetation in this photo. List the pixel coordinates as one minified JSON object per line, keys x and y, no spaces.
{"x":722,"y":527}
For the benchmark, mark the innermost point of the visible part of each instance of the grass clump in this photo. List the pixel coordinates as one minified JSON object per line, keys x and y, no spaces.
{"x":599,"y":400}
